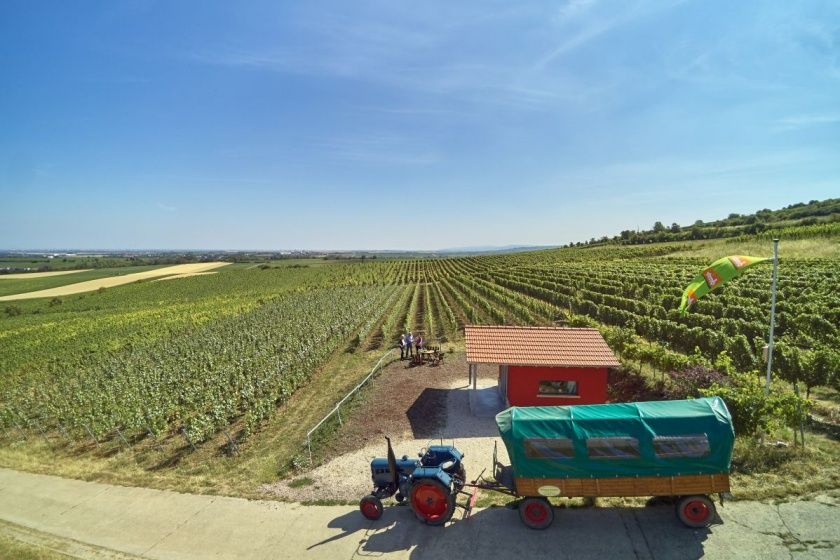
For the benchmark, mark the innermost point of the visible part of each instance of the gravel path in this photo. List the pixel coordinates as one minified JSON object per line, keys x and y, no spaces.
{"x":347,"y":477}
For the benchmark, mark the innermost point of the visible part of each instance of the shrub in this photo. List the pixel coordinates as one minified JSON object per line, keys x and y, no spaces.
{"x":13,"y":310}
{"x":751,"y":409}
{"x":627,"y":386}
{"x":688,"y":383}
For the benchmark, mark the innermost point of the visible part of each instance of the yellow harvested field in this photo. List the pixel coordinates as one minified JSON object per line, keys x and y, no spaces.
{"x":24,"y":275}
{"x":91,"y":285}
{"x":185,"y":275}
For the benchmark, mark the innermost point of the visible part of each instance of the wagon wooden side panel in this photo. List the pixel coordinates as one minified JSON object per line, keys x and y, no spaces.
{"x":624,"y":486}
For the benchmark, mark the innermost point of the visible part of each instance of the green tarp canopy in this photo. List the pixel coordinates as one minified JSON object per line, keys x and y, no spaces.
{"x":661,"y":438}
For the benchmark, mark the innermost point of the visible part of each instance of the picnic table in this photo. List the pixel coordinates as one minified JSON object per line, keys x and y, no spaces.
{"x":431,"y":354}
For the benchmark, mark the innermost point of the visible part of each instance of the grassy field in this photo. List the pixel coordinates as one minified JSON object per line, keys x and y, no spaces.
{"x":73,"y":379}
{"x":13,"y":549}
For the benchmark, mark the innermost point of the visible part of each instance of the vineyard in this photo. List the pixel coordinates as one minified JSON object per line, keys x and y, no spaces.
{"x":190,"y":359}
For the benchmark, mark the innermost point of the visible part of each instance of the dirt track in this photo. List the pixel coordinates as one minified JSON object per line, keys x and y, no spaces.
{"x":110,"y":282}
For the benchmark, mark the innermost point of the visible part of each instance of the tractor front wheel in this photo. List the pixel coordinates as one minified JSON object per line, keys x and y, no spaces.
{"x":371,"y":507}
{"x":696,"y":511}
{"x":432,"y":502}
{"x":536,"y":513}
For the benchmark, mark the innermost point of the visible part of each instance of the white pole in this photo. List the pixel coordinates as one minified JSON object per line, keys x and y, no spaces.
{"x":772,"y":314}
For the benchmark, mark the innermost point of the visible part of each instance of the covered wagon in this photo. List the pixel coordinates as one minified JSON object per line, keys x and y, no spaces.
{"x":663,"y":448}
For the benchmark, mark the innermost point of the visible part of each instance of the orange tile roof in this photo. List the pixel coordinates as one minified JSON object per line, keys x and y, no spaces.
{"x":538,"y":346}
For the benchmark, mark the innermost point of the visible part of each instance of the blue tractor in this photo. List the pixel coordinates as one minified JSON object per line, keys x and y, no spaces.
{"x":430,"y":484}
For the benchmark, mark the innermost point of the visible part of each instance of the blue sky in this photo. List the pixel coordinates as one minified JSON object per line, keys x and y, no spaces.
{"x":424,"y":125}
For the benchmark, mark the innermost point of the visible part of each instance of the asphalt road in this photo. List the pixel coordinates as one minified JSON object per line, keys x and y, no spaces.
{"x":91,"y":520}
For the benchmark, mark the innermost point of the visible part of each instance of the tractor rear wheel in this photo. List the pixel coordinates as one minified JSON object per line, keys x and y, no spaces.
{"x":371,"y":507}
{"x":432,"y":502}
{"x":536,"y":513}
{"x":696,"y":511}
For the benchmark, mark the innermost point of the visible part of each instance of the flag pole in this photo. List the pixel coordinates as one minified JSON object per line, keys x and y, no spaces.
{"x":772,"y":314}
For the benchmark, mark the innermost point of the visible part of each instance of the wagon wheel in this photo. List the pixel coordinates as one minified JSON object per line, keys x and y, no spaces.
{"x":536,"y":513}
{"x":695,"y":511}
{"x":432,"y":502}
{"x":371,"y":507}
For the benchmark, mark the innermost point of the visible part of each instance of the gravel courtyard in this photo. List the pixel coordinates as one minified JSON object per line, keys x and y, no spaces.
{"x":416,"y":407}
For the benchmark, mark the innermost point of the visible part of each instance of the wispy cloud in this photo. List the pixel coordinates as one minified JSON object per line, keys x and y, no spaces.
{"x":795,"y":122}
{"x":166,"y":207}
{"x":380,"y":149}
{"x":579,"y":22}
{"x":423,"y":58}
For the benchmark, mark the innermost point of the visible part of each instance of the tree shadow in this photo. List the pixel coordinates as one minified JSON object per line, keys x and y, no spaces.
{"x":427,"y":414}
{"x":448,"y":414}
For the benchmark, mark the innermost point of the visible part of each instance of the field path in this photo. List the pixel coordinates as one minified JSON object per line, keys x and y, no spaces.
{"x":92,"y":520}
{"x":111,"y":281}
{"x":25,"y":275}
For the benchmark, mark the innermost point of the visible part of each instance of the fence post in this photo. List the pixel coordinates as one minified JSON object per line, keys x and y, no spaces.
{"x":22,"y":433}
{"x":233,"y":448}
{"x":154,"y":437}
{"x":40,"y":429}
{"x":90,"y":433}
{"x":119,"y":433}
{"x":64,"y":432}
{"x":186,"y":437}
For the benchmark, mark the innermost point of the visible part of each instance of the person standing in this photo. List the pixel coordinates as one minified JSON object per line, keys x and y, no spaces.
{"x":409,"y":342}
{"x":402,"y":347}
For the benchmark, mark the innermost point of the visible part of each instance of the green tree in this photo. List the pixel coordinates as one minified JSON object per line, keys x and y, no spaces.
{"x":787,"y":362}
{"x":821,"y":366}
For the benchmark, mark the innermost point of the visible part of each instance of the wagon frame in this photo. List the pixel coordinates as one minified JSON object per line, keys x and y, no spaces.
{"x":706,"y":471}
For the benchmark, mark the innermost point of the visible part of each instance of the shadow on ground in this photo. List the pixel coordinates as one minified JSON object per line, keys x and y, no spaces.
{"x":615,"y":533}
{"x":427,"y":414}
{"x":450,"y":413}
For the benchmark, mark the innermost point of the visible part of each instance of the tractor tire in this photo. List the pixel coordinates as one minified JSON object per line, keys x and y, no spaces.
{"x":432,"y":502}
{"x":536,"y":513}
{"x":696,"y":512}
{"x":371,"y":507}
{"x":462,"y":475}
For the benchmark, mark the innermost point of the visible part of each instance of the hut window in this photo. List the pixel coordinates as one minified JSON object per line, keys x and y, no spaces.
{"x":613,"y":448}
{"x":558,"y":388}
{"x":549,"y":448}
{"x":673,"y":447}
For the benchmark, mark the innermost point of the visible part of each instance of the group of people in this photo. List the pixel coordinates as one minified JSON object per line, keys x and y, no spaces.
{"x":408,"y":344}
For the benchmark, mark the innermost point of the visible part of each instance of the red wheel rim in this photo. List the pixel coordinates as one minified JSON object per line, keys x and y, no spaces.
{"x":536,"y":512}
{"x":369,"y":509}
{"x":430,"y":501}
{"x":696,"y":511}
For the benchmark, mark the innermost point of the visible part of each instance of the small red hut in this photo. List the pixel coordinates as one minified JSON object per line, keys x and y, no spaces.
{"x":542,"y":366}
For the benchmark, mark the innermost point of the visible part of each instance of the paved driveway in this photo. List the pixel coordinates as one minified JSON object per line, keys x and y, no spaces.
{"x":91,"y":520}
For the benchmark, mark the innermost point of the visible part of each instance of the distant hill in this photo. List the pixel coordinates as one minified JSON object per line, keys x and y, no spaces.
{"x":816,"y":218}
